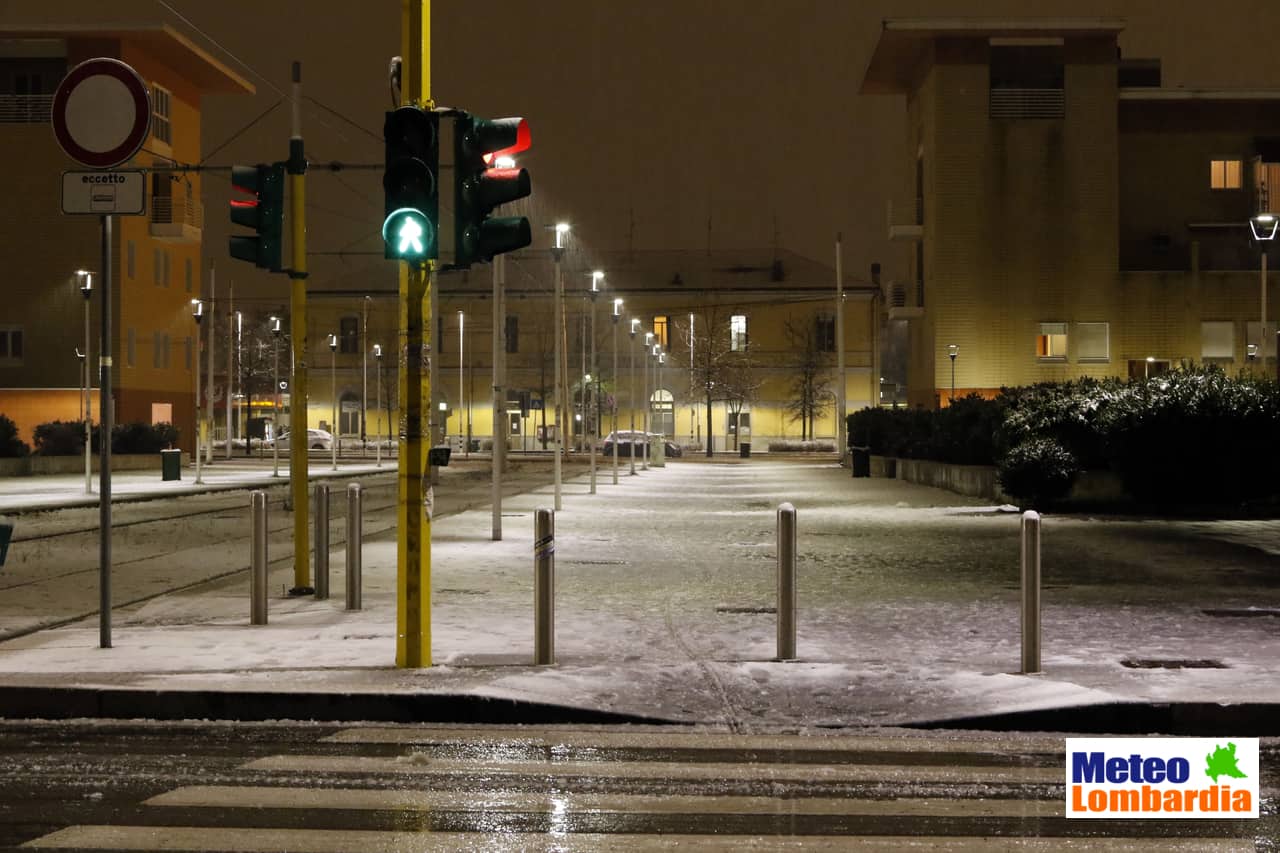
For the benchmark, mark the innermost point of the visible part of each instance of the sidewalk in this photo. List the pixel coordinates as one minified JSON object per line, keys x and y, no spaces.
{"x":908,"y":613}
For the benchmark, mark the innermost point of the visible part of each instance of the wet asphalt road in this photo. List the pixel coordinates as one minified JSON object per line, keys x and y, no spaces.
{"x":151,"y":786}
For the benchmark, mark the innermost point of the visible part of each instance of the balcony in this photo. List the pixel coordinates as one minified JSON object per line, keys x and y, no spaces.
{"x":25,"y":109}
{"x":176,"y":220}
{"x":1027,"y":104}
{"x":912,"y":231}
{"x":898,"y":307}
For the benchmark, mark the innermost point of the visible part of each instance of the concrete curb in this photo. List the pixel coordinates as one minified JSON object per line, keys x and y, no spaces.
{"x":1188,"y":719}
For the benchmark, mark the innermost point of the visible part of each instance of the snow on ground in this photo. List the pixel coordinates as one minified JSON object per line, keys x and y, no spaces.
{"x":908,"y":608}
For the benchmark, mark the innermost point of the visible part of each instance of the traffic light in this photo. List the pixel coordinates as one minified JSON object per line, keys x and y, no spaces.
{"x":412,"y":193}
{"x":478,"y":188}
{"x":264,"y":214}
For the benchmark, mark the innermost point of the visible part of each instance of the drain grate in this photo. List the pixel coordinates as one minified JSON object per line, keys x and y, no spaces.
{"x":447,"y":591}
{"x":727,"y":609}
{"x":1242,"y":611}
{"x":595,"y":562}
{"x":1172,"y":663}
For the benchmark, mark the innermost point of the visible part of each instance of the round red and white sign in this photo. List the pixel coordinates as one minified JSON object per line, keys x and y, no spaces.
{"x":101,"y":113}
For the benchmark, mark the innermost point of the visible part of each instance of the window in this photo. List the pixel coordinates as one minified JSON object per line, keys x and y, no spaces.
{"x":161,"y":261}
{"x":130,"y":260}
{"x":1026,"y":81}
{"x":164,"y":350}
{"x":1217,"y":340}
{"x":738,"y":332}
{"x":131,"y":349}
{"x":1268,"y":339}
{"x":186,"y":352}
{"x":1225,"y":175}
{"x":349,"y":335}
{"x":512,"y":333}
{"x":156,"y":350}
{"x":660,"y":330}
{"x":160,"y":128}
{"x":188,"y":274}
{"x":1093,"y":341}
{"x":10,"y":345}
{"x":824,"y":332}
{"x":162,"y":413}
{"x":1051,"y":343}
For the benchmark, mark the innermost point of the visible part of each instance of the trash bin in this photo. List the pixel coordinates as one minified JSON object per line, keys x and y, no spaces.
{"x":171,"y":464}
{"x":744,"y":449}
{"x":6,"y":533}
{"x":860,"y":461}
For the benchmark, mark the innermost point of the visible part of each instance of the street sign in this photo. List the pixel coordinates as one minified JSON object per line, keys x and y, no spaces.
{"x":103,"y":193}
{"x":535,"y":403}
{"x":101,"y":113}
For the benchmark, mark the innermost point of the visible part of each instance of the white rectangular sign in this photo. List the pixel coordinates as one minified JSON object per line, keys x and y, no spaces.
{"x":1162,"y":777}
{"x":100,"y":193}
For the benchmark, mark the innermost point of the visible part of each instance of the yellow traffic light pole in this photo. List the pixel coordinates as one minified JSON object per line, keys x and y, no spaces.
{"x":413,"y":516}
{"x":297,"y":168}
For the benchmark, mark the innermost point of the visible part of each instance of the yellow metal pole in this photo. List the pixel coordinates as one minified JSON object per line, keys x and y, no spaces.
{"x":413,"y":514}
{"x":298,"y":340}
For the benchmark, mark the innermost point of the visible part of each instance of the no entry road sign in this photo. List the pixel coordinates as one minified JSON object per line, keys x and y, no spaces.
{"x":101,"y":113}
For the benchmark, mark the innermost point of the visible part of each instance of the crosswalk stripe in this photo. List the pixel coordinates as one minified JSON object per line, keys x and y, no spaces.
{"x":227,"y":796}
{"x":253,"y":840}
{"x":421,"y":763}
{"x":675,"y":739}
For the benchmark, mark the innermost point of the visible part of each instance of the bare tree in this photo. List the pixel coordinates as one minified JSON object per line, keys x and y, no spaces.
{"x":719,"y":371}
{"x":810,"y":392}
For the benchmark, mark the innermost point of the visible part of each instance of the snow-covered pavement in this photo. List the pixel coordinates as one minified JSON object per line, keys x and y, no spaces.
{"x":908,"y":609}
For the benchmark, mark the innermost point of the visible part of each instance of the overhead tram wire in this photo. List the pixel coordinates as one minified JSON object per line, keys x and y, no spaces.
{"x":233,"y":137}
{"x":340,"y":115}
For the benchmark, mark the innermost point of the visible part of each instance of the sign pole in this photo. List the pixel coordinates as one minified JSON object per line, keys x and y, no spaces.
{"x":107,"y":420}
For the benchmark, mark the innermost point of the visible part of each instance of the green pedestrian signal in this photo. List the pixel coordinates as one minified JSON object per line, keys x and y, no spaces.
{"x":481,"y":183}
{"x":412,"y":212}
{"x":264,"y":214}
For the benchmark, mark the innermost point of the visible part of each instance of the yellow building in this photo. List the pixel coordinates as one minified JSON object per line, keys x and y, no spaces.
{"x":1064,"y":215}
{"x":156,"y":257}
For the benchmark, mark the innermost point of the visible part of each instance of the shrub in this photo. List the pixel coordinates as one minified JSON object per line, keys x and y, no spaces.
{"x":10,"y":444}
{"x":788,"y":446}
{"x":1037,"y":473}
{"x":60,"y":438}
{"x":143,"y":438}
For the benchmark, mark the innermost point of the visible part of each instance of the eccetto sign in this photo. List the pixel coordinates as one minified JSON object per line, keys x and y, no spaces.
{"x":103,"y":193}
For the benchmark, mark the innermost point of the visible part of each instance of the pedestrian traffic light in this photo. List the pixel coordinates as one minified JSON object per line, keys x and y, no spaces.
{"x":412,"y":217}
{"x":479,"y":187}
{"x":264,"y":214}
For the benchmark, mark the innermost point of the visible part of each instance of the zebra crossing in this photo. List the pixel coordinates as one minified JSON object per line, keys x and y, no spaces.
{"x":427,"y":788}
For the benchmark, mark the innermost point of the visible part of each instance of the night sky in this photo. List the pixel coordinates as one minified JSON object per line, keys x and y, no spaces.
{"x":663,"y":124}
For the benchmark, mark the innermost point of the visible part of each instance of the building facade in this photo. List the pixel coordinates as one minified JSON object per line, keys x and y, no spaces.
{"x":1064,"y":214}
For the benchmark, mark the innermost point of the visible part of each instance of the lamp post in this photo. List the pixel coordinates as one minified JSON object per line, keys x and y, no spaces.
{"x":197,"y":313}
{"x":952,"y":352}
{"x":617,"y":386}
{"x":644,"y":417}
{"x":377,"y":355}
{"x":86,"y":290}
{"x":364,"y":377}
{"x":333,"y":403}
{"x":275,"y":396}
{"x":562,"y":228}
{"x":462,"y":399}
{"x":631,"y":368}
{"x":593,"y":433}
{"x":1264,"y":227}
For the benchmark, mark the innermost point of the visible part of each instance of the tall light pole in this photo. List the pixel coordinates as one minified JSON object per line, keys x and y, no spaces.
{"x":593,"y":430}
{"x":86,"y":290}
{"x":462,"y":399}
{"x":562,"y":228}
{"x":275,"y":396}
{"x":841,"y":404}
{"x":364,"y":377}
{"x":377,"y":355}
{"x":952,"y":352}
{"x":231,"y":366}
{"x":333,"y":402}
{"x":197,"y":313}
{"x":617,"y":386}
{"x":644,"y":418}
{"x":631,"y":396}
{"x":240,"y":376}
{"x":1264,"y":227}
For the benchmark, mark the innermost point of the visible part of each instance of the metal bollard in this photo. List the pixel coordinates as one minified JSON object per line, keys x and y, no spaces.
{"x":355,"y":544}
{"x":1030,"y":592}
{"x":544,"y":587}
{"x":258,"y":559}
{"x":322,"y":540}
{"x":786,"y":582}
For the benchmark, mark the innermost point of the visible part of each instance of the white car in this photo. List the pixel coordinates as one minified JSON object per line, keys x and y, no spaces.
{"x":317,"y":439}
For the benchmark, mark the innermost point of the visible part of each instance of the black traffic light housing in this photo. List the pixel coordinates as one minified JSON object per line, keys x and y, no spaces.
{"x":411,"y":221}
{"x":478,"y":188}
{"x":263,"y":214}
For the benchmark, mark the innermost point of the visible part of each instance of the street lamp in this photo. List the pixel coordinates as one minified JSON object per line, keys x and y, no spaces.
{"x":197,"y":313}
{"x":617,"y":386}
{"x":333,"y":404}
{"x":593,"y":425}
{"x":631,"y":368}
{"x":562,"y":228}
{"x":1264,"y":227}
{"x":377,"y":355}
{"x":644,"y":417}
{"x":85,"y":278}
{"x":461,"y":395}
{"x":952,"y":352}
{"x":275,"y":396}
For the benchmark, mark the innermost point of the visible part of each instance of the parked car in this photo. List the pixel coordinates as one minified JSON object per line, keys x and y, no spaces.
{"x":317,"y":439}
{"x":627,"y":439}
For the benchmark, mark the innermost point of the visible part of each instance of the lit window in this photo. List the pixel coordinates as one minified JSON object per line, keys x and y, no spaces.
{"x":1225,"y":175}
{"x":1052,"y":341}
{"x":738,"y":332}
{"x":1217,"y":339}
{"x":660,"y":330}
{"x":1093,"y":341}
{"x":160,"y":128}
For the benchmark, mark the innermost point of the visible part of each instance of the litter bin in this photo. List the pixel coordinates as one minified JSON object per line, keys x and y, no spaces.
{"x":860,"y":461}
{"x":171,"y":464}
{"x":6,"y":533}
{"x":744,"y":449}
